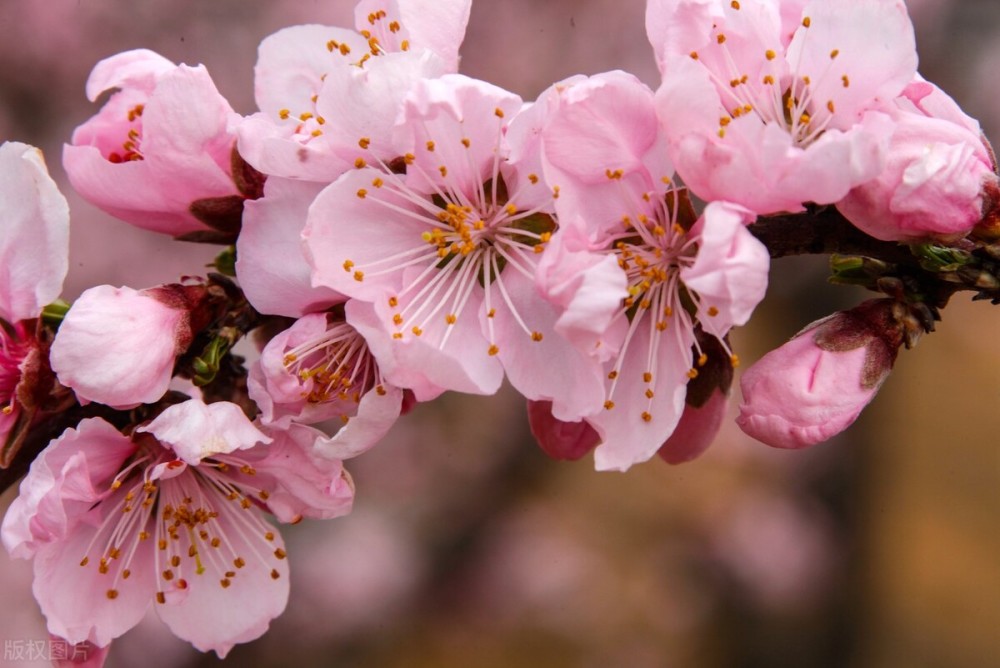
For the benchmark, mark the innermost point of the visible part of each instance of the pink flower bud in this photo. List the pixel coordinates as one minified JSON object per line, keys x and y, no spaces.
{"x":117,"y":346}
{"x":814,"y":386}
{"x":936,"y":173}
{"x":560,"y":440}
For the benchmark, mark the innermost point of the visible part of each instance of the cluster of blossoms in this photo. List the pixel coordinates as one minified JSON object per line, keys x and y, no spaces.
{"x":397,"y":230}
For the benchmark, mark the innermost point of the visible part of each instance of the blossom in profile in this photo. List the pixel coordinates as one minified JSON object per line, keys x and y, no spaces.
{"x":814,"y":386}
{"x":172,"y":517}
{"x":649,"y":276}
{"x":774,"y":104}
{"x":34,"y":256}
{"x":321,"y":369}
{"x":937,"y":171}
{"x":440,"y":261}
{"x":159,"y":154}
{"x":329,"y":96}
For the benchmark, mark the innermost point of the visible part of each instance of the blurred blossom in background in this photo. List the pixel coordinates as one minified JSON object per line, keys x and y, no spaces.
{"x":469,"y":547}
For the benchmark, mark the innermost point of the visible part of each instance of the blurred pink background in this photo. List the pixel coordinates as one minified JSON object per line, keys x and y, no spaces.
{"x":467,"y":546}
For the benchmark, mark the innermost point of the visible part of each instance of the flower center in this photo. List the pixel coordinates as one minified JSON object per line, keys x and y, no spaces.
{"x":777,"y":93}
{"x":192,"y":519}
{"x":131,"y":147}
{"x":336,"y":366}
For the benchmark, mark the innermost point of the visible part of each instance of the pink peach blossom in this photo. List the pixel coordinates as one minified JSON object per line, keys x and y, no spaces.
{"x":115,"y":523}
{"x":318,"y":369}
{"x":816,"y":385}
{"x":935,"y":175}
{"x":440,"y":262}
{"x":771,"y":123}
{"x":328,"y":97}
{"x":34,"y":257}
{"x":117,"y":346}
{"x":642,"y":275}
{"x":159,"y":154}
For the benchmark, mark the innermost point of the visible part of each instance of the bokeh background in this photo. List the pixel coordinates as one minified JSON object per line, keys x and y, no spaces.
{"x":468,"y":547}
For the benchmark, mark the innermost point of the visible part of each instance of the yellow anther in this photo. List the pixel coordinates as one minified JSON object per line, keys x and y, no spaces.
{"x":362,"y":193}
{"x":417,"y":331}
{"x":724,"y":121}
{"x":536,"y":336}
{"x":555,"y":192}
{"x":451,"y":319}
{"x":608,"y":405}
{"x":834,"y":53}
{"x":498,"y":112}
{"x":443,"y":170}
{"x":112,"y":594}
{"x":649,"y":394}
{"x":830,"y":107}
{"x":511,"y":209}
{"x":344,"y":49}
{"x":316,"y":133}
{"x":430,"y":146}
{"x":694,"y":55}
{"x":712,"y":311}
{"x":768,"y":80}
{"x":408,"y":158}
{"x":393,"y":302}
{"x":404,"y":45}
{"x":804,"y":119}
{"x":492,"y":313}
{"x":378,"y":182}
{"x":364,"y":142}
{"x":465,"y":142}
{"x":806,"y":22}
{"x":692,"y":373}
{"x":702,"y":359}
{"x":770,"y":54}
{"x":305,"y":116}
{"x":720,"y":38}
{"x":359,"y":276}
{"x":331,"y":45}
{"x":734,"y":4}
{"x":348,"y":265}
{"x":394,"y":26}
{"x":646,"y":417}
{"x":493,"y":350}
{"x":734,"y":360}
{"x":846,"y":81}
{"x":647,"y":377}
{"x":397,"y":320}
{"x":533,"y":178}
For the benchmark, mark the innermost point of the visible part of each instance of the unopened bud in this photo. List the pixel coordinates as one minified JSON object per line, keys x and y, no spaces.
{"x":816,"y":385}
{"x":560,"y":440}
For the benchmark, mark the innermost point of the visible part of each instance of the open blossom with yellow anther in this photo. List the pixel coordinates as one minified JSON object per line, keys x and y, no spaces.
{"x":170,"y":517}
{"x":322,"y":89}
{"x":646,"y":274}
{"x":320,"y":369}
{"x":159,"y":153}
{"x":771,"y":113}
{"x":440,"y":260}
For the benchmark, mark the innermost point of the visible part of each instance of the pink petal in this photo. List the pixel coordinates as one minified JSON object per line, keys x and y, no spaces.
{"x":270,"y":265}
{"x":195,"y":430}
{"x":431,"y":24}
{"x":302,"y":480}
{"x":730,"y":271}
{"x":64,"y":482}
{"x":34,"y":237}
